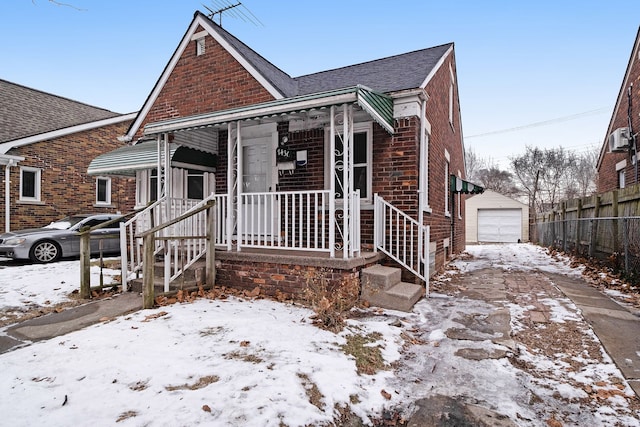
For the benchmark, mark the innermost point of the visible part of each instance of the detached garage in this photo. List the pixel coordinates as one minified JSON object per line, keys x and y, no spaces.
{"x":494,"y":218}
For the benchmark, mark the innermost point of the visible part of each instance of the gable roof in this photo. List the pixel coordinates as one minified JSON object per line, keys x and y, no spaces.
{"x":395,"y":73}
{"x":26,"y":112}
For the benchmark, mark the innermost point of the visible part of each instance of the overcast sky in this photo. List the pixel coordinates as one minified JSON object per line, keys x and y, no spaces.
{"x":540,"y":73}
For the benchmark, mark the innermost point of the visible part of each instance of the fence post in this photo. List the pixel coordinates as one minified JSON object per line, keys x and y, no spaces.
{"x":147,"y":275}
{"x":85,"y":266}
{"x":211,"y":247}
{"x":578,"y":227}
{"x":564,"y":227}
{"x":593,"y":241}
{"x":625,"y":237}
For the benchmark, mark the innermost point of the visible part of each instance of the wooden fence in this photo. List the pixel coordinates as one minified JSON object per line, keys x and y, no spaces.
{"x":604,"y":226}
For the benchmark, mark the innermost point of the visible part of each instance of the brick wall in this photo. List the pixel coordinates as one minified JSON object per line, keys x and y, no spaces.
{"x":444,"y":136}
{"x":65,"y":186}
{"x":607,"y":179}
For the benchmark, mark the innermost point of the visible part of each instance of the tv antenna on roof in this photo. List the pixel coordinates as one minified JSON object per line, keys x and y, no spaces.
{"x":226,"y":6}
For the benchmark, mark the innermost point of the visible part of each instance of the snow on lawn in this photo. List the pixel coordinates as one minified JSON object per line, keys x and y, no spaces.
{"x":25,"y":286}
{"x":260,"y":363}
{"x":231,"y":362}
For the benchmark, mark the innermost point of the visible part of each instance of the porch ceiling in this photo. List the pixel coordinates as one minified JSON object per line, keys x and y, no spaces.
{"x":125,"y":161}
{"x":379,"y":106}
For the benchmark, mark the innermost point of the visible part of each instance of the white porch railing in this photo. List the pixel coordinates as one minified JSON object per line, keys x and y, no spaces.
{"x":293,"y":220}
{"x":296,"y":220}
{"x":402,"y":238}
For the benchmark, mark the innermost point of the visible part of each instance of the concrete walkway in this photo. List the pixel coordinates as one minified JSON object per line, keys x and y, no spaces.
{"x":72,"y":319}
{"x":617,"y":328}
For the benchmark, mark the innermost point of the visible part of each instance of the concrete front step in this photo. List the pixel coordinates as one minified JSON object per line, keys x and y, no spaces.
{"x":402,"y":296}
{"x":379,"y":277}
{"x":382,"y":287}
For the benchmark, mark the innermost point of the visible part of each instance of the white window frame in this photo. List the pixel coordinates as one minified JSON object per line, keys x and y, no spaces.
{"x":447,"y":183}
{"x":107,"y":181}
{"x":621,"y":179}
{"x":363,"y":127}
{"x":38,"y":184}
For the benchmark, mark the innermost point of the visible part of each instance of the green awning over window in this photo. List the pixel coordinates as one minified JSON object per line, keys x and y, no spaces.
{"x":459,"y":185}
{"x":125,"y":161}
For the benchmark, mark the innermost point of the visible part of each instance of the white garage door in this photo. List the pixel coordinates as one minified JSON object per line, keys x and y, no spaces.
{"x":499,"y":225}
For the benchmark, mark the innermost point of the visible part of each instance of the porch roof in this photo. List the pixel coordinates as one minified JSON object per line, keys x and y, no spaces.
{"x":459,"y":185}
{"x":125,"y":161}
{"x":379,"y":106}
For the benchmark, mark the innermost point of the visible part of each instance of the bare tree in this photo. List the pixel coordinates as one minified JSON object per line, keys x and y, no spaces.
{"x":500,"y":181}
{"x":583,"y":174}
{"x":473,"y":164}
{"x":545,"y":175}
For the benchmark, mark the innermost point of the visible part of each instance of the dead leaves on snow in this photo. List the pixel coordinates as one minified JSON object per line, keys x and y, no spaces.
{"x":218,"y":293}
{"x":202,"y":382}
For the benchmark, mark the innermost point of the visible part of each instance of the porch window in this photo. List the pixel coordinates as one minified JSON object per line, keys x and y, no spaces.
{"x":103,"y":191}
{"x":362,"y":153}
{"x":30,"y":184}
{"x":153,"y":185}
{"x":195,"y":184}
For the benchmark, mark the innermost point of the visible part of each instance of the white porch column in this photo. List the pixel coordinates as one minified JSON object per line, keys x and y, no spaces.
{"x":167,"y":176}
{"x":239,"y":183}
{"x":347,"y":145}
{"x":7,"y":198}
{"x":332,"y":183}
{"x":230,"y":169}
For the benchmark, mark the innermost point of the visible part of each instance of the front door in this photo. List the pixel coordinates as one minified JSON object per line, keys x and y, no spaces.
{"x":257,"y":177}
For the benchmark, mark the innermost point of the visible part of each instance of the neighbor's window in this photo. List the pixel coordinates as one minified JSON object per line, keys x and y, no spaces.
{"x":30,"y":184}
{"x":362,"y":160}
{"x":621,"y":181}
{"x":103,"y":191}
{"x":200,"y":46}
{"x":195,"y":184}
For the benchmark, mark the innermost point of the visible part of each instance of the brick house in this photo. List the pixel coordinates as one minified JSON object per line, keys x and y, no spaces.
{"x":321,"y":175}
{"x":46,"y":143}
{"x":618,"y":161}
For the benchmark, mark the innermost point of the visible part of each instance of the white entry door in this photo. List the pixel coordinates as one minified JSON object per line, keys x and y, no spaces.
{"x":257,"y":177}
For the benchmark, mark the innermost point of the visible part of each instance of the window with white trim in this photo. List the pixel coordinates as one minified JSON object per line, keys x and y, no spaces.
{"x":30,"y":184}
{"x":447,"y":183}
{"x":195,"y":184}
{"x":103,"y":191}
{"x":621,"y":179}
{"x":200,"y":46}
{"x":362,"y":161}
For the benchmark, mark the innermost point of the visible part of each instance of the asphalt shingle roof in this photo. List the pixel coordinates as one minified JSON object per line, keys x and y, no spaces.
{"x":26,"y":112}
{"x":390,"y":74}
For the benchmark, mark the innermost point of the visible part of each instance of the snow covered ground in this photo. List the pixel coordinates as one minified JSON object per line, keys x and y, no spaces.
{"x":238,"y":362}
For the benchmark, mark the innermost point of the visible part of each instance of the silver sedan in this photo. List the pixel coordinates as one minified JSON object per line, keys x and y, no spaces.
{"x":61,"y":239}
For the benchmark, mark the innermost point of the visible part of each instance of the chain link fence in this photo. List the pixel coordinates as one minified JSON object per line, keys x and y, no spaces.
{"x":614,"y":240}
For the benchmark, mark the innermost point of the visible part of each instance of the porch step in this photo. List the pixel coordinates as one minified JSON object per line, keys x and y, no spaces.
{"x":186,"y":280}
{"x":382,"y":287}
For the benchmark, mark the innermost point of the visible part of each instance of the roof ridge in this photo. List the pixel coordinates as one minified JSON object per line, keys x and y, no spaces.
{"x":374,"y":60}
{"x":52,"y":95}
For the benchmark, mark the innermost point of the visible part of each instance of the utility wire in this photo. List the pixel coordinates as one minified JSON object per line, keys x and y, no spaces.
{"x":538,"y":124}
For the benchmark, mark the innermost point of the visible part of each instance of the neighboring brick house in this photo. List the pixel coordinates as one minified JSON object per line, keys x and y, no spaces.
{"x":46,"y":144}
{"x":396,"y":130}
{"x":618,"y":162}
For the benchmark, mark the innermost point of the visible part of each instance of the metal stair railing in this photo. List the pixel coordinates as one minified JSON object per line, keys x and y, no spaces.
{"x":402,"y":238}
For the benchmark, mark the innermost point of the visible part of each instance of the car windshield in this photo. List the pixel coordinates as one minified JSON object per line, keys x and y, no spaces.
{"x":65,"y":223}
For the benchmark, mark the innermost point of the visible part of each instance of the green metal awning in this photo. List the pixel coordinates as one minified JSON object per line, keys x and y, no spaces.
{"x":379,"y":106}
{"x":125,"y":161}
{"x":459,"y":185}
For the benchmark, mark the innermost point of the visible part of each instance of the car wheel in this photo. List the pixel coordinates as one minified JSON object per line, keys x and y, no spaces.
{"x":45,"y":251}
